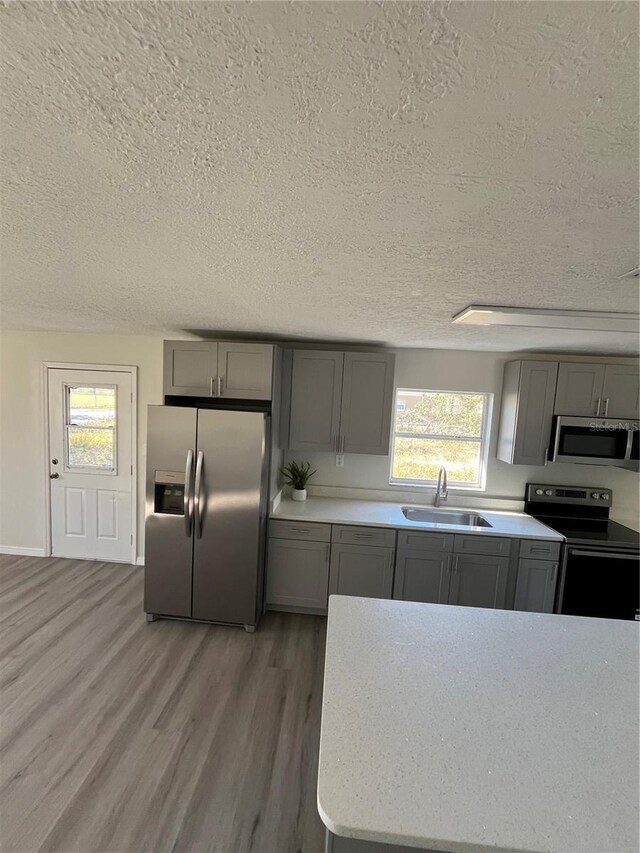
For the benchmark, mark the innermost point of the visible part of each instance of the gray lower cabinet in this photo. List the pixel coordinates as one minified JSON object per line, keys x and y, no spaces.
{"x":297,"y":575}
{"x":361,"y":570}
{"x":340,"y":844}
{"x":536,"y":585}
{"x":422,"y":576}
{"x":479,"y":580}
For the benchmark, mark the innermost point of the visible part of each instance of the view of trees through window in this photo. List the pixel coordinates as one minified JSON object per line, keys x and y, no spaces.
{"x":435,"y":428}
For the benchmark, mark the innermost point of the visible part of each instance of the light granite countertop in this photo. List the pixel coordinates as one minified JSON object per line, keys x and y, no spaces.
{"x":381,"y":514}
{"x":463,"y":729}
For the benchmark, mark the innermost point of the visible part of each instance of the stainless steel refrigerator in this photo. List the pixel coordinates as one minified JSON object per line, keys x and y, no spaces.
{"x":206,"y":505}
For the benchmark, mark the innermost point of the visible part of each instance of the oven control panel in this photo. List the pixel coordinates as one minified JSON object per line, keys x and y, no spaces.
{"x":576,"y":495}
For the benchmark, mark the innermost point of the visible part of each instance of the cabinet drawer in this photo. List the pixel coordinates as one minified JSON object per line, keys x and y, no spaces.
{"x":425,"y":541}
{"x":491,"y":545}
{"x":539,"y":550}
{"x":310,"y":531}
{"x":350,"y":535}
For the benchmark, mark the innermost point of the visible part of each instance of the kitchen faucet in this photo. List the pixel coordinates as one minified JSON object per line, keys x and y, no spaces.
{"x":442,"y":492}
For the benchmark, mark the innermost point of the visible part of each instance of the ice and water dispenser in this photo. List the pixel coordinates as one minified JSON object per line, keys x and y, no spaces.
{"x":169,"y":493}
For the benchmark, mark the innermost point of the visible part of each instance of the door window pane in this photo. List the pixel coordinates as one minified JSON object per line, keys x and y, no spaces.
{"x":91,"y":427}
{"x":90,"y":448}
{"x":92,"y":406}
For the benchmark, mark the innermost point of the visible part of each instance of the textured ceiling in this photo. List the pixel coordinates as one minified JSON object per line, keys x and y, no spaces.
{"x":332,"y":170}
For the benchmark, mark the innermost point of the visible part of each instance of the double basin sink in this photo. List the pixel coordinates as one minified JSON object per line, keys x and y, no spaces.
{"x":426,"y":515}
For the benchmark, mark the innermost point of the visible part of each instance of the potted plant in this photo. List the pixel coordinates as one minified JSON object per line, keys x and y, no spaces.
{"x":297,"y":475}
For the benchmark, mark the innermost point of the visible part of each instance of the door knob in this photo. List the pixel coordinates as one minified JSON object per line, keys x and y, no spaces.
{"x":54,"y":476}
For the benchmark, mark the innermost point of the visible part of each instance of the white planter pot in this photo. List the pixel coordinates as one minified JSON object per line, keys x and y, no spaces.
{"x":299,"y":494}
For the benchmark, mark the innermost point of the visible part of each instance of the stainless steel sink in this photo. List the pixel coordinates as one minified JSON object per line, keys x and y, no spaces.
{"x":444,"y":516}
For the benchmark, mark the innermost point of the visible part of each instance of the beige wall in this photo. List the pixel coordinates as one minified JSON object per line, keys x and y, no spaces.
{"x":457,"y":370}
{"x":22,"y":484}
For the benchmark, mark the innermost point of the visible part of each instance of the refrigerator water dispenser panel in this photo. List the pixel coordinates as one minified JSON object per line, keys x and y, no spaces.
{"x":169,"y":493}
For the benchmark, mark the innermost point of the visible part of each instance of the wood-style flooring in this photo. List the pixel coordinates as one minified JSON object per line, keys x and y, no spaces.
{"x":122,"y":735}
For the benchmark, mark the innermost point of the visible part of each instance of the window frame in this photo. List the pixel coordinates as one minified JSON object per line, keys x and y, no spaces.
{"x":484,"y":441}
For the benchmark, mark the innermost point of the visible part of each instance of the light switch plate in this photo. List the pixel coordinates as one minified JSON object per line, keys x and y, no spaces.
{"x":339,"y":460}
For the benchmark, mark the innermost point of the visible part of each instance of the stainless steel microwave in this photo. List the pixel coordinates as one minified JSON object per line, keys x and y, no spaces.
{"x":596,"y":441}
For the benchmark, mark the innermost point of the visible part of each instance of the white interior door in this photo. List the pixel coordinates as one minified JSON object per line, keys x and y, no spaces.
{"x":90,"y":464}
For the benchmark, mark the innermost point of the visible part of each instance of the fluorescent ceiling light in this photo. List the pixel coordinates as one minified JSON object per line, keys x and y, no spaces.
{"x":548,"y":318}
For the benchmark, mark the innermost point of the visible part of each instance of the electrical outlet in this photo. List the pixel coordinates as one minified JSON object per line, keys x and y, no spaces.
{"x":339,"y":460}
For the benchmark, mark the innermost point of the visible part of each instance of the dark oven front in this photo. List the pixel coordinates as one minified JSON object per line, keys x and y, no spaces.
{"x":599,"y":582}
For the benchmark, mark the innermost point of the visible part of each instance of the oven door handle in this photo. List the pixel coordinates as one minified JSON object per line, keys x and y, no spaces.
{"x":603,"y":552}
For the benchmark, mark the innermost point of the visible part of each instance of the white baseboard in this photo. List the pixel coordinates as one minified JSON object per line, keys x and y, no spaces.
{"x":20,"y":551}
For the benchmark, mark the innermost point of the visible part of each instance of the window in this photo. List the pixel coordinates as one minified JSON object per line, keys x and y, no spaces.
{"x":435,"y":428}
{"x":90,"y":427}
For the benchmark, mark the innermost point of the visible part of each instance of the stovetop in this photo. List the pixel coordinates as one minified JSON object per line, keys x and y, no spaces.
{"x":591,"y":531}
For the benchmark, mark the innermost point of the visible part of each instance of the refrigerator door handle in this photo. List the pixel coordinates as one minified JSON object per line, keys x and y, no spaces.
{"x":198,"y":494}
{"x":188,"y":505}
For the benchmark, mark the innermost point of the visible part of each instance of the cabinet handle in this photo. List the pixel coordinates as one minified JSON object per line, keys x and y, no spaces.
{"x":363,"y":535}
{"x":220,"y":386}
{"x":334,"y":443}
{"x":341,"y":444}
{"x":213,"y":387}
{"x":606,"y":407}
{"x":598,"y":401}
{"x":553,"y":573}
{"x":299,"y":529}
{"x":455,"y":565}
{"x":540,"y":550}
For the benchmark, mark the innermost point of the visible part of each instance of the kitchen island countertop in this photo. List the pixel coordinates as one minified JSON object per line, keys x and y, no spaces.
{"x":463,"y":729}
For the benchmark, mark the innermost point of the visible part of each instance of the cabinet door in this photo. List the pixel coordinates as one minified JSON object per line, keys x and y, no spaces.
{"x":367,"y":402}
{"x":190,"y":368}
{"x":536,"y":585}
{"x":620,"y":391}
{"x":297,"y":574}
{"x":245,"y":371}
{"x":579,"y":390}
{"x":528,"y":393}
{"x":361,"y":570}
{"x":478,"y":581}
{"x":422,"y":576}
{"x":316,"y":391}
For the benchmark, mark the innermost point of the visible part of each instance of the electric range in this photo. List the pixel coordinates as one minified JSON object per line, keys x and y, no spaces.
{"x":600,"y":566}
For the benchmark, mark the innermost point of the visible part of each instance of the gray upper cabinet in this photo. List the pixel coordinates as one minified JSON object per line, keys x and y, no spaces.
{"x":361,"y":570}
{"x":621,"y":391}
{"x":316,"y":392}
{"x":536,"y":585}
{"x":340,"y":402}
{"x":579,"y":391}
{"x":526,"y":418}
{"x":190,"y":368}
{"x":218,"y":369}
{"x":597,"y":390}
{"x":422,"y":576}
{"x":479,"y":581}
{"x":367,"y":395}
{"x":245,"y":371}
